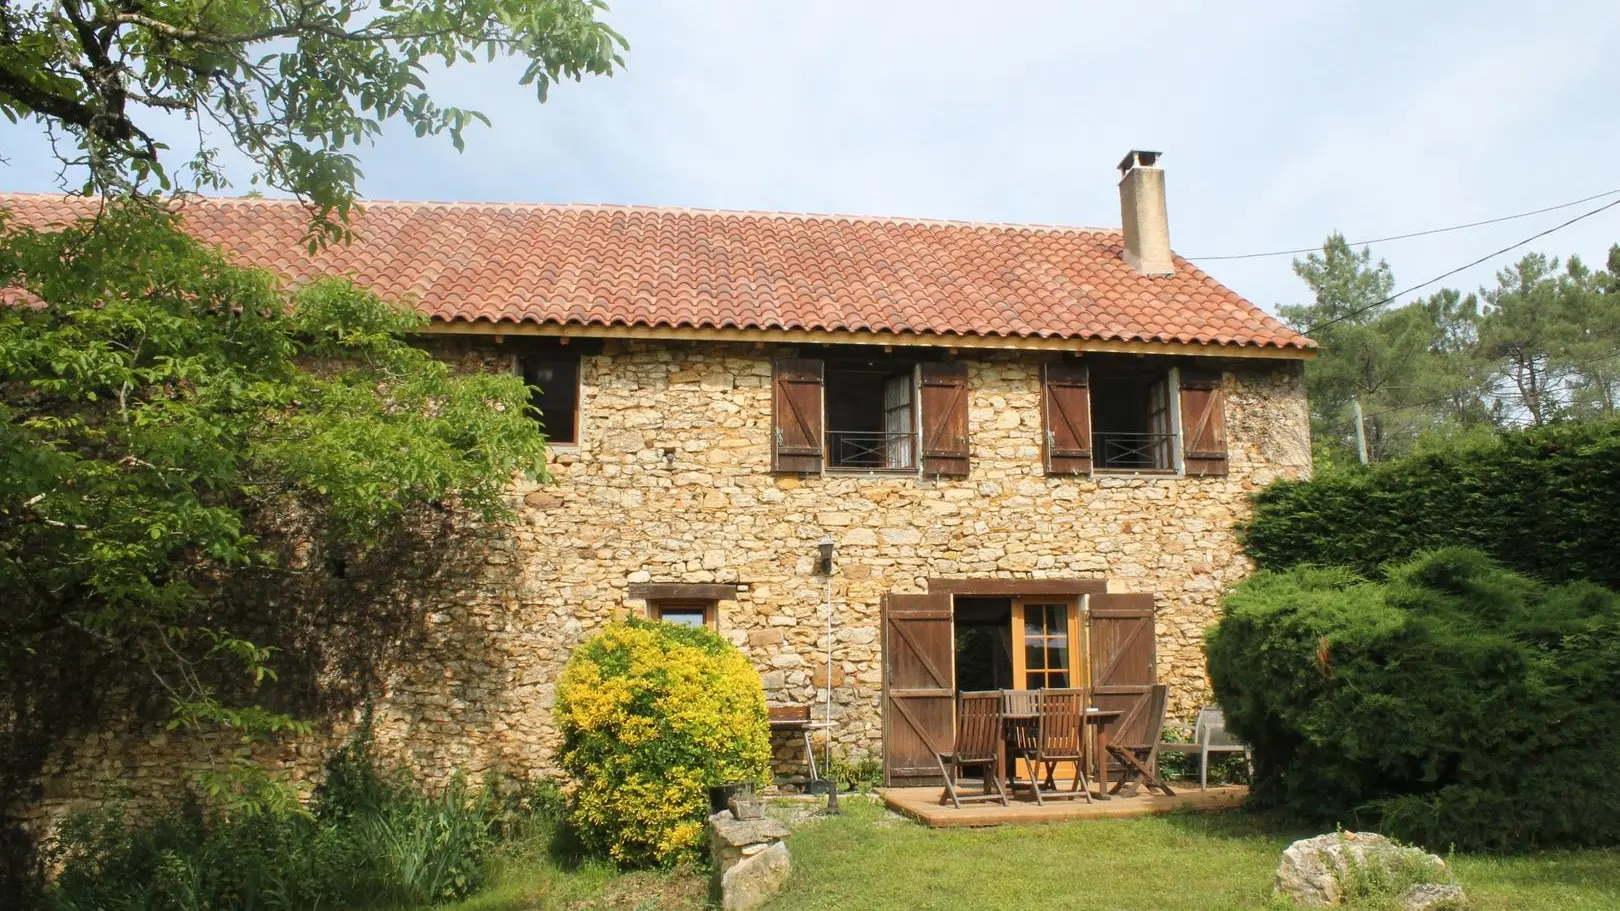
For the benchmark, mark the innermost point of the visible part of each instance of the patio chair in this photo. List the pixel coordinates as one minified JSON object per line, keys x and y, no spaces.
{"x":978,"y":736}
{"x":1139,"y":756}
{"x":1208,"y":736}
{"x":1020,"y":710}
{"x":1060,"y":736}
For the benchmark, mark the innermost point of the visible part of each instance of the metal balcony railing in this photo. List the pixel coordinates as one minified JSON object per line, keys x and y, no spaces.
{"x":1140,"y":451}
{"x":871,"y":450}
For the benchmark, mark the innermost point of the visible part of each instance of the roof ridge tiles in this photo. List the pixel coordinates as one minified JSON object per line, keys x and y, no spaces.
{"x":188,"y":200}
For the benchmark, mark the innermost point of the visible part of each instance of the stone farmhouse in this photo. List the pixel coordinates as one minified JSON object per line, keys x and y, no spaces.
{"x":890,"y":459}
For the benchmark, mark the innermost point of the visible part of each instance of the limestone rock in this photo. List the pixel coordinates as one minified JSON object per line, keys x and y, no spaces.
{"x":755,"y":880}
{"x":736,"y":833}
{"x":1313,"y":871}
{"x":1433,"y":897}
{"x":750,"y":861}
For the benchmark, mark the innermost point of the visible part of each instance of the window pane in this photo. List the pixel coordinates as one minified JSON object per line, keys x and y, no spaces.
{"x":1032,"y":622}
{"x":1057,"y":655}
{"x":1057,"y":619}
{"x":682,"y":616}
{"x":1034,"y":655}
{"x":1057,"y":680}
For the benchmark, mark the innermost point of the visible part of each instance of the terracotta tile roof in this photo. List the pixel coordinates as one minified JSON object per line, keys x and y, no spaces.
{"x":694,"y":269}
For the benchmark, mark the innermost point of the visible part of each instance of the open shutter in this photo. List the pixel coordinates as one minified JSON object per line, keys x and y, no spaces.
{"x":1203,"y":423}
{"x":945,"y":419}
{"x":1066,"y":410}
{"x":919,"y":687}
{"x":1123,"y":662}
{"x":796,"y":415}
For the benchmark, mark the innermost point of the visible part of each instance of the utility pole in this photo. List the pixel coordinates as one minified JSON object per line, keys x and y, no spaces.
{"x":1361,"y":430}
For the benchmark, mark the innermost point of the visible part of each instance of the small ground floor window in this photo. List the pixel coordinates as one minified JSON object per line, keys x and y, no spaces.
{"x":683,"y":613}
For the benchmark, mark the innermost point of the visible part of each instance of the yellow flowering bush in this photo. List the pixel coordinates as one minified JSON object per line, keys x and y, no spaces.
{"x":653,"y":715}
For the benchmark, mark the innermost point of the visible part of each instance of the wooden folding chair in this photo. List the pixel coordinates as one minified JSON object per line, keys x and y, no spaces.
{"x":1141,"y":757}
{"x":1020,"y":714}
{"x":1061,"y":737}
{"x":978,"y":745}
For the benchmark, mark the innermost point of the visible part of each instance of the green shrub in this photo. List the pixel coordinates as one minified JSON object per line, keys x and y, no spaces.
{"x":1545,"y":502}
{"x":1456,"y":703}
{"x":653,"y":715}
{"x":370,"y":839}
{"x":861,"y":774}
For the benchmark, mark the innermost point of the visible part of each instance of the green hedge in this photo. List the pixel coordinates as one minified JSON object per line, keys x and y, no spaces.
{"x":1456,"y":703}
{"x":1545,"y":502}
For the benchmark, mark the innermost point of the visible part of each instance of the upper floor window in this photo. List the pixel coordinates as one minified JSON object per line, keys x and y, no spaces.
{"x":1133,"y":414}
{"x":881,"y":414}
{"x":871,"y":416}
{"x":553,"y":378}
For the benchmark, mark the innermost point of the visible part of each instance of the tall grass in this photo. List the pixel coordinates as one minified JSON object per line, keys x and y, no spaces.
{"x":371,"y":838}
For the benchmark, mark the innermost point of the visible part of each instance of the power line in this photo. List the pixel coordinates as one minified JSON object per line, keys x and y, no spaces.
{"x":1445,"y":275}
{"x":1380,"y":240}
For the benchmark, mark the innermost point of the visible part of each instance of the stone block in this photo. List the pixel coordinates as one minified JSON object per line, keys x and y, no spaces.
{"x":818,"y":675}
{"x":755,"y":879}
{"x":761,"y":638}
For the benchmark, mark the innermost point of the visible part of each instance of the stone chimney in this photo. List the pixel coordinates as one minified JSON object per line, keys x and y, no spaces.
{"x":1144,"y":214}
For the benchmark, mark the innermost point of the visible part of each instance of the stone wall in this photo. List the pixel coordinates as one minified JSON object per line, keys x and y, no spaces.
{"x":671,"y":482}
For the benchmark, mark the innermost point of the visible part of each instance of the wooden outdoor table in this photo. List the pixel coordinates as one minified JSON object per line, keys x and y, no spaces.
{"x":1097,"y":719}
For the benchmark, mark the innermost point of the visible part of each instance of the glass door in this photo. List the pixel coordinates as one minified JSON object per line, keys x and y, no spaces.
{"x":1049,"y":648}
{"x":1044,"y":643}
{"x":1048,"y":652}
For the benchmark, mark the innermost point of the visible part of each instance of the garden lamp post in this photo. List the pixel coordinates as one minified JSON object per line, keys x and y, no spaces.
{"x":824,"y":567}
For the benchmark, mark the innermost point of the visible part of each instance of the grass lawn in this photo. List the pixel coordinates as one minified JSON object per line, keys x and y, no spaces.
{"x":869,"y":860}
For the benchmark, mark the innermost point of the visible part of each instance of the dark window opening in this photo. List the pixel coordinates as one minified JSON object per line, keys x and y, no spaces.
{"x":1131,"y":418}
{"x":983,"y":644}
{"x":871,"y":416}
{"x":553,"y":379}
{"x":683,"y":613}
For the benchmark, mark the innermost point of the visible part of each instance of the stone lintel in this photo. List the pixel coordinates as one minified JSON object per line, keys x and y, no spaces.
{"x":1017,"y":587}
{"x":683,"y":591}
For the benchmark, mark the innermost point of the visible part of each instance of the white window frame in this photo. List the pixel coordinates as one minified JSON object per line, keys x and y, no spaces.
{"x":1178,"y":459}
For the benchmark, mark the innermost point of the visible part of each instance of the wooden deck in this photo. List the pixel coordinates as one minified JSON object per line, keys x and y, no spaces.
{"x":922,"y":804}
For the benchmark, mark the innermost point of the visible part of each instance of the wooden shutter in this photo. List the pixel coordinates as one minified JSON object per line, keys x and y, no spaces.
{"x":796,"y":415}
{"x":1123,"y":663}
{"x":945,"y":419}
{"x":1203,"y":423}
{"x":919,"y":687}
{"x":1066,"y":411}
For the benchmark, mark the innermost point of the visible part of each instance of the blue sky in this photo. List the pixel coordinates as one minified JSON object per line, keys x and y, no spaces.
{"x":1279,"y":121}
